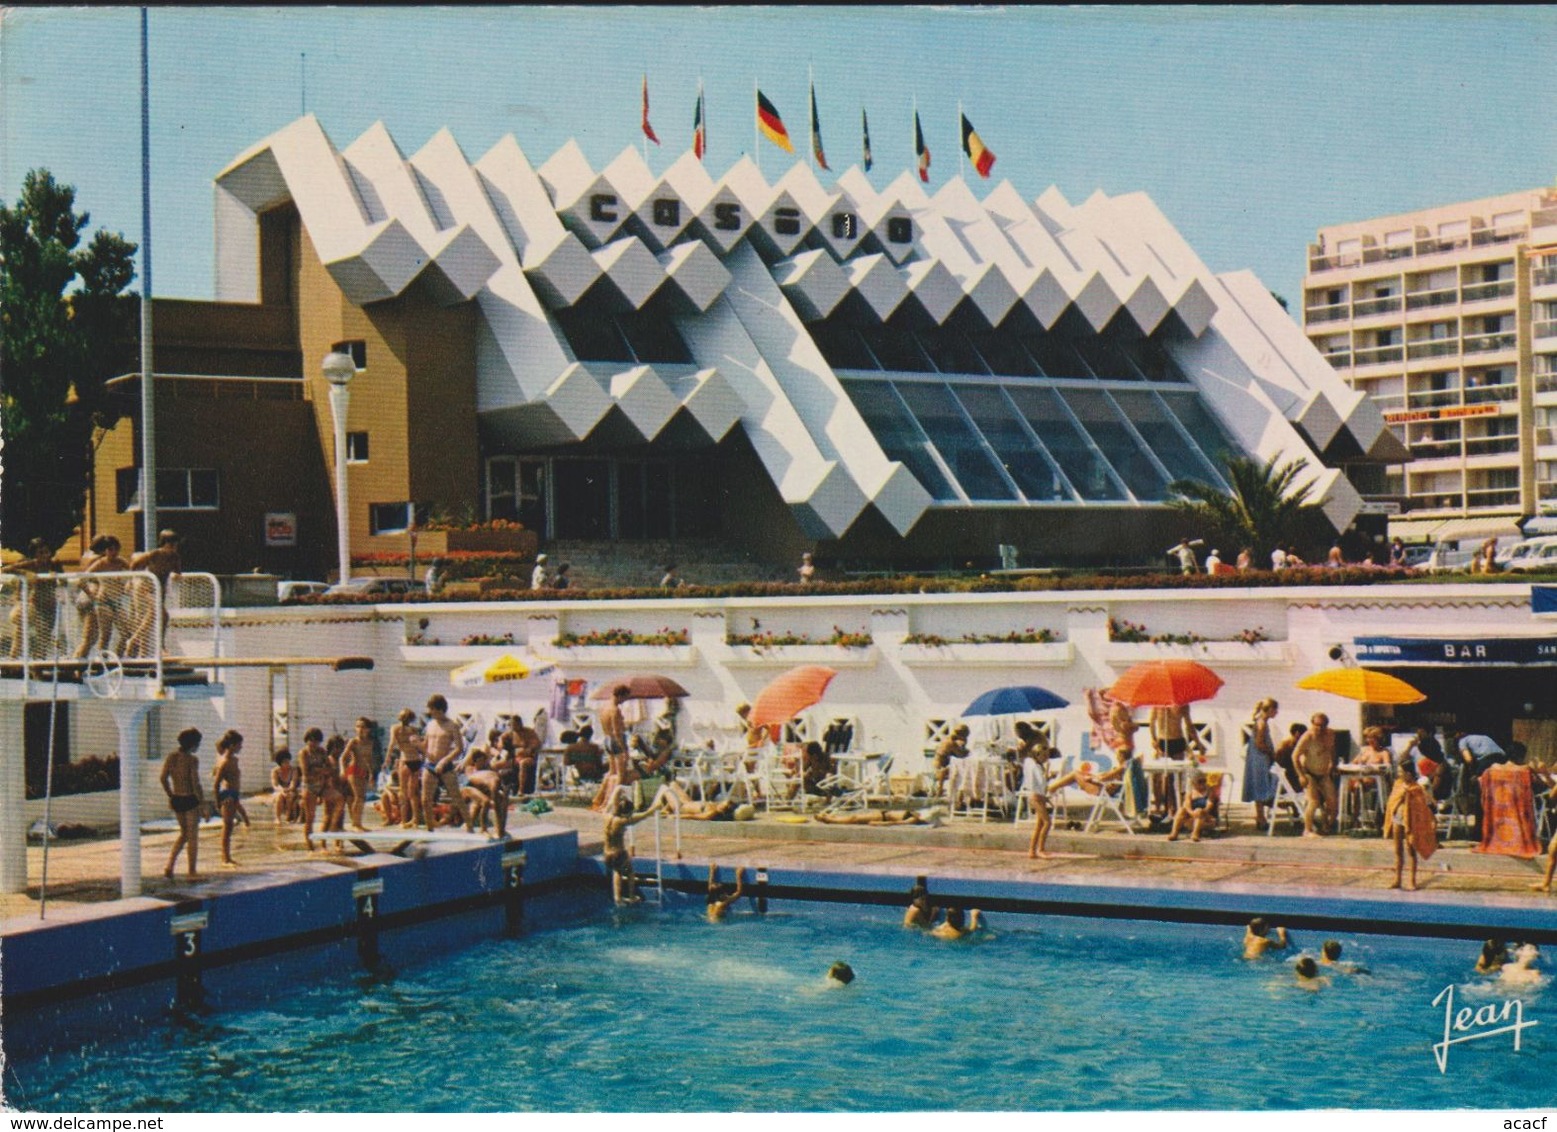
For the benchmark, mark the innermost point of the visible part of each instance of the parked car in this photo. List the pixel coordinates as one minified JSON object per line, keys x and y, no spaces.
{"x":1417,"y":556}
{"x":287,"y":590}
{"x":378,"y":586}
{"x":1457,"y":554}
{"x":1533,"y":554}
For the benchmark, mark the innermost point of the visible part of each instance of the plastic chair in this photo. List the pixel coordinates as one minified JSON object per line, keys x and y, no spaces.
{"x":1285,"y":795}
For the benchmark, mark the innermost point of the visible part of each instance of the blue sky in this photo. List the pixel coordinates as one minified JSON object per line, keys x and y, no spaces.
{"x":1249,"y":127}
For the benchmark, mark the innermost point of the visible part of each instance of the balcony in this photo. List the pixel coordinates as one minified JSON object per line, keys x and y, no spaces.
{"x":1545,"y":383}
{"x":1487,"y":343}
{"x":1333,"y":262}
{"x":1546,"y":491}
{"x":1340,"y":359}
{"x":1544,"y":277}
{"x":1433,"y":348}
{"x":1497,"y":236}
{"x":1492,"y":497}
{"x":1332,"y":313}
{"x":1394,"y":402}
{"x":1491,"y":445}
{"x":1433,"y":398}
{"x":1379,"y":355}
{"x":1442,"y":245}
{"x":1546,"y":328}
{"x":1488,"y":394}
{"x":1384,"y":304}
{"x":1384,"y":255}
{"x":1420,"y":299}
{"x":1545,"y":437}
{"x":1436,"y":450}
{"x":1482,"y":292}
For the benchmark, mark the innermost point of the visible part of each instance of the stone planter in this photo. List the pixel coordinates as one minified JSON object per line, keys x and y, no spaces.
{"x":624,"y":656}
{"x":789,"y":656}
{"x":1051,"y":654}
{"x":452,"y":656}
{"x":1223,"y":654}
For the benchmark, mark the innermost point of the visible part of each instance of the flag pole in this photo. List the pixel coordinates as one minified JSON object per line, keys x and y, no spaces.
{"x":756,"y":137}
{"x":811,"y":84}
{"x":703,"y":113}
{"x":645,"y":118}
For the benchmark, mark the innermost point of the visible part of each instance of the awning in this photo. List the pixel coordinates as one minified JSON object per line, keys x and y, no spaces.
{"x":1443,"y":530}
{"x":1457,"y":652}
{"x":1543,"y":601}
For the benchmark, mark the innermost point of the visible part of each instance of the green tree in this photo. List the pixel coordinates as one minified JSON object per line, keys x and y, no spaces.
{"x":1265,"y":507}
{"x":68,"y":326}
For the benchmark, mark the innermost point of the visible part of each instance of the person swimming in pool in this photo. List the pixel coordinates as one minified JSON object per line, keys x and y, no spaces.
{"x":958,"y":925}
{"x":920,"y":912}
{"x":1494,"y":953}
{"x":1330,"y":956}
{"x":840,"y":974}
{"x":1308,"y":976}
{"x":229,"y":792}
{"x":1257,"y":939}
{"x":721,"y":896}
{"x":1521,"y":970}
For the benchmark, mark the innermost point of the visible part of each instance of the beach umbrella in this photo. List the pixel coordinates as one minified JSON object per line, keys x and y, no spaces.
{"x":1166,"y":683}
{"x":504,"y":668}
{"x":642,"y":687}
{"x":1017,"y":700}
{"x":790,"y":694}
{"x":1364,"y":685}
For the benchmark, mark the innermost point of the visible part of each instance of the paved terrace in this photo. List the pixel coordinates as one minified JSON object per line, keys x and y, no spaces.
{"x":1239,"y":860}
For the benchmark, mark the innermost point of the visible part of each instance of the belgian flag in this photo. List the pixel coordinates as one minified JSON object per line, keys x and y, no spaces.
{"x":981,"y":155}
{"x":771,"y":125}
{"x":699,"y":130}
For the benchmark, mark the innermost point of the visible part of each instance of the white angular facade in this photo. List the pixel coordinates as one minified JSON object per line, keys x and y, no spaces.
{"x":893,"y":351}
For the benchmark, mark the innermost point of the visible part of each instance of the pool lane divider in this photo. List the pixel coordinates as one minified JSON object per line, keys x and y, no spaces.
{"x":182,"y":939}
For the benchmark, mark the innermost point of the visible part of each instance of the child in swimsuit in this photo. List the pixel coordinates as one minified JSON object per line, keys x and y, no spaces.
{"x":283,"y":781}
{"x":357,"y":769}
{"x":1196,"y":808}
{"x":229,"y":792}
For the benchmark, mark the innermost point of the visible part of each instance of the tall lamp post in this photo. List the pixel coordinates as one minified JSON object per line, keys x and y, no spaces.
{"x":339,"y":369}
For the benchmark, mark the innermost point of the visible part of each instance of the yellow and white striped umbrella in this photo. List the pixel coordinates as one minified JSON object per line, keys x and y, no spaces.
{"x":505,"y":667}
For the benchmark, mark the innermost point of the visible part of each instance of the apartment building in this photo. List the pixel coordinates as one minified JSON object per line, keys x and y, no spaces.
{"x":1447,"y":319}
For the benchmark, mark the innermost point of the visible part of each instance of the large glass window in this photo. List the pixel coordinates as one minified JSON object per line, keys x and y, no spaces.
{"x":951,"y":352}
{"x":942,"y":419}
{"x":1152,"y":420}
{"x":1003,"y":354}
{"x":1102,"y":421}
{"x":896,"y":349}
{"x":1205,"y":428}
{"x":1055,"y":356}
{"x":899,"y":437}
{"x":1106,"y":360}
{"x":841,"y":345}
{"x":1024,"y":461}
{"x":1070,"y":449}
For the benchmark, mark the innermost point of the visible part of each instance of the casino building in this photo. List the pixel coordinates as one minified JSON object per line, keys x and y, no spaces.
{"x":887,"y":377}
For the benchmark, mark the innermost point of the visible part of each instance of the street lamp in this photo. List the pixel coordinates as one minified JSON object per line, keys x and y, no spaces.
{"x":339,"y":369}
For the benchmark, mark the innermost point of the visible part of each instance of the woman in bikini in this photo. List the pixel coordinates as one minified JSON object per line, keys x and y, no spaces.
{"x":406,"y":745}
{"x":318,"y":785}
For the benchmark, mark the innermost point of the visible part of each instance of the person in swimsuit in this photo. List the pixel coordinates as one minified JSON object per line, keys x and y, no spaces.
{"x":445,"y":746}
{"x":1494,"y":953}
{"x":1257,"y":939}
{"x":229,"y":791}
{"x":406,"y":746}
{"x":618,"y":858}
{"x":318,"y":785}
{"x":957,"y":925}
{"x":484,"y":793}
{"x":1308,"y":976}
{"x":165,"y":565}
{"x":1314,"y":757}
{"x":1035,"y":749}
{"x":620,"y":770}
{"x":357,"y":769}
{"x":1196,"y":808}
{"x":920,"y":913}
{"x":1173,"y":735}
{"x":522,"y":743}
{"x":180,"y":780}
{"x":721,"y":896}
{"x":284,"y":784}
{"x":879,"y":817}
{"x":954,"y":746}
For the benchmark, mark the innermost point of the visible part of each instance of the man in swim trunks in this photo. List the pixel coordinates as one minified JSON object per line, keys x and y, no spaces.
{"x":920,"y":912}
{"x":406,"y":746}
{"x":484,"y":792}
{"x":229,"y":792}
{"x":318,"y":784}
{"x":877,"y":817}
{"x":720,"y":896}
{"x":954,"y":746}
{"x":1314,"y":757}
{"x":613,"y":728}
{"x":957,"y":925}
{"x":522,"y":743}
{"x":1173,"y":736}
{"x":180,"y":780}
{"x":165,"y":564}
{"x":618,"y":858}
{"x":445,"y":744}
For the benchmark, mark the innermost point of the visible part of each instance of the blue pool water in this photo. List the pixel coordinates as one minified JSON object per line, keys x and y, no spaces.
{"x":651,"y":1009}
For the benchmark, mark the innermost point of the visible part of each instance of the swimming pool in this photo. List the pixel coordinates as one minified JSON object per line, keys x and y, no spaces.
{"x":655,"y":1009}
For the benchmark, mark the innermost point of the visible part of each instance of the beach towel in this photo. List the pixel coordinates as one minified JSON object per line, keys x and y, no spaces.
{"x":1410,"y":797}
{"x":1508,"y":811}
{"x":1099,"y":704}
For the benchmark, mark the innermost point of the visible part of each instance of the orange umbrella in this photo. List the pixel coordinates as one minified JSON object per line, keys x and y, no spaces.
{"x":1166,"y":683}
{"x":790,"y":694}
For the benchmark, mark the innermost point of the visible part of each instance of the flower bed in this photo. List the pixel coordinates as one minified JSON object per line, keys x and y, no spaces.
{"x":598,"y":638}
{"x":1016,"y":637}
{"x":840,"y":638}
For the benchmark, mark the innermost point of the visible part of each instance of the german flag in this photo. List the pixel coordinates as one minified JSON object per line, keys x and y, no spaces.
{"x":981,"y":155}
{"x":921,"y":151}
{"x":699,"y":130}
{"x":771,"y":125}
{"x":648,"y":130}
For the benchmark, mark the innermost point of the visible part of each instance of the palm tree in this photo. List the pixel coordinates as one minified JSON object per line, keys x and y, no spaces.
{"x":1265,"y":507}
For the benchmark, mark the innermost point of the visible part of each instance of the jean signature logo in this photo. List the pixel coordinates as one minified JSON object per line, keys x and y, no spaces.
{"x":1473,"y":1024}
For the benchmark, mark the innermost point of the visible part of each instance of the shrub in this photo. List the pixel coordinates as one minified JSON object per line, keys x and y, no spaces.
{"x":92,"y":774}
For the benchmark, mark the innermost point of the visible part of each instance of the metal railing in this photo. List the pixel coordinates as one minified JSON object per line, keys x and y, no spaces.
{"x":1485,"y":394}
{"x":1543,"y":276}
{"x":96,"y":622}
{"x":1436,"y":449}
{"x":1497,"y":236}
{"x":1339,"y":359}
{"x":1486,"y":343}
{"x":1418,"y":299}
{"x":1329,"y":313}
{"x":1492,"y":497}
{"x":1546,"y":382}
{"x":1384,"y":304}
{"x":1491,"y":445}
{"x":1433,"y":398}
{"x":1481,"y":292}
{"x":1432,"y":348}
{"x":1377,"y":356}
{"x":1546,"y":328}
{"x":1441,"y":245}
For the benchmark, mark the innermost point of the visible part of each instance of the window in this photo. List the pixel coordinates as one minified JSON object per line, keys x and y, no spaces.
{"x":394,"y":518}
{"x":356,"y":448}
{"x":178,"y":489}
{"x":358,"y":350}
{"x":641,"y":337}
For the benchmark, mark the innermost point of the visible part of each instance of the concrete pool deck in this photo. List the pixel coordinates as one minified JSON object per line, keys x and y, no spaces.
{"x":86,"y":872}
